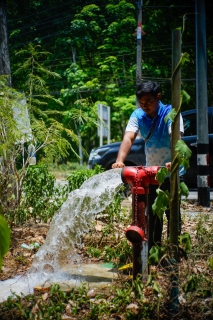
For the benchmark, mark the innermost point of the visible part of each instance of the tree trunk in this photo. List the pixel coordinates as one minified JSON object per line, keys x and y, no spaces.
{"x":176,"y":90}
{"x":174,"y":185}
{"x":4,"y":43}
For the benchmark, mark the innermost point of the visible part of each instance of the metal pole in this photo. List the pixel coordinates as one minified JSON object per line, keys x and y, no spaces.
{"x":139,"y":43}
{"x":80,"y":148}
{"x":101,"y":124}
{"x":203,"y":173}
{"x":79,"y":144}
{"x":140,"y":250}
{"x":109,"y":126}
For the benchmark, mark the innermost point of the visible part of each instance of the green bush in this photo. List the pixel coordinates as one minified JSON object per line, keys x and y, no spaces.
{"x":41,"y":198}
{"x":77,"y":178}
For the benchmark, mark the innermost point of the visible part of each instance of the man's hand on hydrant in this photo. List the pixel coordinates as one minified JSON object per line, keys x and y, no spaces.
{"x":118,"y":165}
{"x":168,"y":166}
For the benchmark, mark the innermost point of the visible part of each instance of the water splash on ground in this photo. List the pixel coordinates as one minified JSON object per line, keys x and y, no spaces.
{"x":72,"y":219}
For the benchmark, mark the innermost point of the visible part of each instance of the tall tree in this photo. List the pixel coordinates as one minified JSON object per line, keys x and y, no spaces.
{"x":93,"y":47}
{"x":4,"y":48}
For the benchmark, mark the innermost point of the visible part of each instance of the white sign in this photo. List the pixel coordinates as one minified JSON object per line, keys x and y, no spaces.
{"x":22,"y":119}
{"x":104,"y":123}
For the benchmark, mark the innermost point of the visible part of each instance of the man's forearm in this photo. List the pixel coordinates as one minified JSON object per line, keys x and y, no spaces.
{"x":124,"y":150}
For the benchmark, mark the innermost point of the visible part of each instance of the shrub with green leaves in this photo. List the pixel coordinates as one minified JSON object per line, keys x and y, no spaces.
{"x":48,"y":135}
{"x":120,"y":252}
{"x":77,"y":178}
{"x":41,"y":198}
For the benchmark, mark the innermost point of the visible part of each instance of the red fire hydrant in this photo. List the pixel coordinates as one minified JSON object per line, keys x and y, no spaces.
{"x":139,"y":178}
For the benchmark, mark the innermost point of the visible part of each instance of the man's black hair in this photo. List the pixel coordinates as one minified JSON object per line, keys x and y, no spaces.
{"x":147,"y":87}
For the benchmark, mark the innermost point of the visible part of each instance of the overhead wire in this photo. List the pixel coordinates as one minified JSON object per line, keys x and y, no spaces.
{"x":117,"y":53}
{"x":47,"y":10}
{"x":66,"y":31}
{"x":100,"y":6}
{"x":159,"y":80}
{"x":38,"y":29}
{"x":58,"y":21}
{"x":65,"y":12}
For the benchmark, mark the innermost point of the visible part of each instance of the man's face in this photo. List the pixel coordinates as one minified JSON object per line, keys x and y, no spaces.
{"x":149,"y":104}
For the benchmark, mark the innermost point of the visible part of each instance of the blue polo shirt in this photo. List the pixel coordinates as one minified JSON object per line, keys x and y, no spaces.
{"x":158,"y":146}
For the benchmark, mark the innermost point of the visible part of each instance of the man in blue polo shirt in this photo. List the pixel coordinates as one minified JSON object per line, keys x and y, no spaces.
{"x":149,"y":120}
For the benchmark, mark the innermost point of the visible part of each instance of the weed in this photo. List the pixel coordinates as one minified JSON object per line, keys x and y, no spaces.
{"x":20,"y":258}
{"x":114,"y":209}
{"x":185,"y":240}
{"x":93,"y":252}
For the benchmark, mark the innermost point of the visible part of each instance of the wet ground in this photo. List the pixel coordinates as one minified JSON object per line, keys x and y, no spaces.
{"x":93,"y":272}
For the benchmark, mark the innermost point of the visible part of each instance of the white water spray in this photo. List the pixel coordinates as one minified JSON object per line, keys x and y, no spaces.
{"x":69,"y":223}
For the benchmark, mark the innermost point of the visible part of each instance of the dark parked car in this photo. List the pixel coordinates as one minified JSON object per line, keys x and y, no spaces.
{"x":107,"y":154}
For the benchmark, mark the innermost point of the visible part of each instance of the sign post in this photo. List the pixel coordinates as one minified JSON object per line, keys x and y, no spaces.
{"x":104,"y":128}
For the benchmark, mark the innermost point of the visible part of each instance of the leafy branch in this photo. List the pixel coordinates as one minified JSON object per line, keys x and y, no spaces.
{"x":181,"y":158}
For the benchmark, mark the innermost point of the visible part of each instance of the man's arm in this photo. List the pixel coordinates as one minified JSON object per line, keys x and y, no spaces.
{"x":125,"y":147}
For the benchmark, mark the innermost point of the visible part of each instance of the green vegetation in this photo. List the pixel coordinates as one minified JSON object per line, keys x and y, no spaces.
{"x":41,"y":197}
{"x":76,"y":178}
{"x":78,"y":304}
{"x":110,"y":245}
{"x":4,"y":239}
{"x":127,"y":299}
{"x":92,"y":53}
{"x":27,"y":129}
{"x":139,"y":299}
{"x":65,"y":59}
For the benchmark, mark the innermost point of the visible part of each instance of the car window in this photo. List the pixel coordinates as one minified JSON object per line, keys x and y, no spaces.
{"x":190,"y":125}
{"x":210,"y":122}
{"x":189,"y":122}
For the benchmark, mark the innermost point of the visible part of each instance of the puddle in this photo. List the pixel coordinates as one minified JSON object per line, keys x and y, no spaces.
{"x":93,"y":275}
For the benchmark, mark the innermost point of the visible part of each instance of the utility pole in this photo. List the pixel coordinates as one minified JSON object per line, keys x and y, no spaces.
{"x":203,"y":174}
{"x":4,"y":46}
{"x":139,"y":43}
